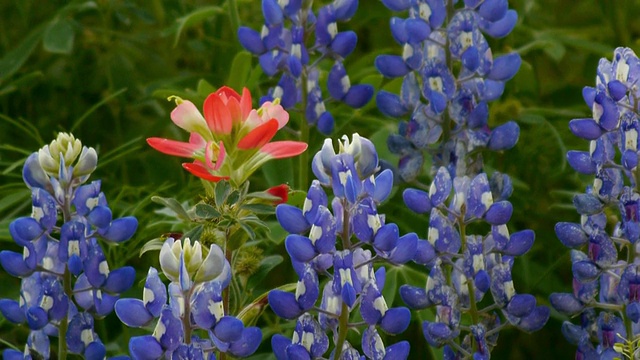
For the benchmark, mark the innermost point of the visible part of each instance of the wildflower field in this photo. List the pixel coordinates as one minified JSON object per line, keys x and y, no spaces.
{"x":328,"y":179}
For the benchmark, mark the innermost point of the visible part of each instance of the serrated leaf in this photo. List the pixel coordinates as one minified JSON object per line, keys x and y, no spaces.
{"x":240,"y":70}
{"x":206,"y":211}
{"x":266,"y":265}
{"x":152,"y":245}
{"x":174,"y":205}
{"x":59,"y":37}
{"x":194,"y":234}
{"x":259,"y":208}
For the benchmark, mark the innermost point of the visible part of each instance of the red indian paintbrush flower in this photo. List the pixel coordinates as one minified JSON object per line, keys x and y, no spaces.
{"x":231,"y":140}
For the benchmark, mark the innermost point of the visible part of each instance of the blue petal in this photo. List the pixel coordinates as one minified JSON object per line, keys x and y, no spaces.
{"x":581,"y":162}
{"x":384,"y":184}
{"x":499,"y":213}
{"x":585,"y":271}
{"x":586,"y":129}
{"x":396,"y":320}
{"x":571,"y":234}
{"x":391,"y":66}
{"x":36,"y":317}
{"x":482,"y":281}
{"x":291,"y":219}
{"x":504,"y":136}
{"x":566,"y":303}
{"x":493,"y":10}
{"x":358,"y":95}
{"x":440,"y":187}
{"x":344,"y":43}
{"x":390,"y":104}
{"x":326,"y":123}
{"x":470,"y":58}
{"x":345,"y":9}
{"x":228,"y":329}
{"x":479,"y":116}
{"x":100,"y":217}
{"x":520,"y":242}
{"x":300,"y":248}
{"x":386,"y":237}
{"x":284,"y":304}
{"x":120,"y":280}
{"x":121,"y":229}
{"x":609,"y":113}
{"x":417,"y":200}
{"x":397,"y":351}
{"x":397,"y":5}
{"x":32,"y":173}
{"x":145,"y":348}
{"x":505,"y":67}
{"x":12,"y":311}
{"x":502,"y":27}
{"x":14,"y":264}
{"x":414,"y":297}
{"x":272,"y":12}
{"x":405,"y":250}
{"x":425,"y":253}
{"x":587,"y":204}
{"x":337,"y":81}
{"x":95,"y":350}
{"x":617,"y":89}
{"x":279,"y":345}
{"x":25,"y":229}
{"x":132,"y":312}
{"x":248,"y":342}
{"x":536,"y":320}
{"x":521,"y":305}
{"x":250,"y":40}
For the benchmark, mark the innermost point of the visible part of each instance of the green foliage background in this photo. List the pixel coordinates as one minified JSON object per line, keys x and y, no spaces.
{"x":103,"y":69}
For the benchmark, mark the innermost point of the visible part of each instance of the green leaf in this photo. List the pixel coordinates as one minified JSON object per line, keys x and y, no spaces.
{"x":266,"y":265}
{"x":174,"y":205}
{"x":14,"y":59}
{"x":59,"y":37}
{"x":247,"y":229}
{"x":205,"y":88}
{"x":240,"y":70}
{"x":278,"y":171}
{"x":95,"y":107}
{"x":206,"y":211}
{"x":152,"y":245}
{"x":192,"y":19}
{"x":259,"y":208}
{"x":195,"y":233}
{"x":222,"y":192}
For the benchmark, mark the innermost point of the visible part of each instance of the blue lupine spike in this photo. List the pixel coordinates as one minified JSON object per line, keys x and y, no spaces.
{"x":300,"y":248}
{"x":586,"y":129}
{"x":505,"y":136}
{"x":581,"y":162}
{"x":499,"y":213}
{"x":120,"y":280}
{"x":284,"y":304}
{"x":291,"y":219}
{"x":251,"y":40}
{"x":228,"y":329}
{"x":358,"y":95}
{"x":493,"y":10}
{"x":391,"y":66}
{"x":505,"y":67}
{"x":248,"y":342}
{"x":344,"y":43}
{"x":417,"y":201}
{"x":133,"y":313}
{"x":272,"y":12}
{"x":405,"y":249}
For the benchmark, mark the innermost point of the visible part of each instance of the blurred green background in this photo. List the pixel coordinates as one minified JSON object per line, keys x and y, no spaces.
{"x":103,"y":69}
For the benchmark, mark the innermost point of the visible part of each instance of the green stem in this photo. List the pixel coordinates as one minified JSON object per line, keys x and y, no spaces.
{"x":64,"y":323}
{"x":233,"y":15}
{"x":303,"y":168}
{"x":186,"y":318}
{"x":228,"y":253}
{"x":470,"y":286}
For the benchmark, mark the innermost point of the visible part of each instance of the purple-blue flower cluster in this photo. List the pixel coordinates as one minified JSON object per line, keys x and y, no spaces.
{"x":66,"y":280}
{"x":195,"y":303}
{"x":448,"y":112}
{"x":283,"y":49}
{"x":604,"y":257}
{"x":342,"y":242}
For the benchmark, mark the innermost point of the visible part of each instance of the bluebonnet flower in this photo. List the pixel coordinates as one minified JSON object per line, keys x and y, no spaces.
{"x":604,"y":258}
{"x":55,"y":250}
{"x":282,"y":49}
{"x":197,"y":277}
{"x":448,"y":112}
{"x":364,"y":238}
{"x":448,"y":121}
